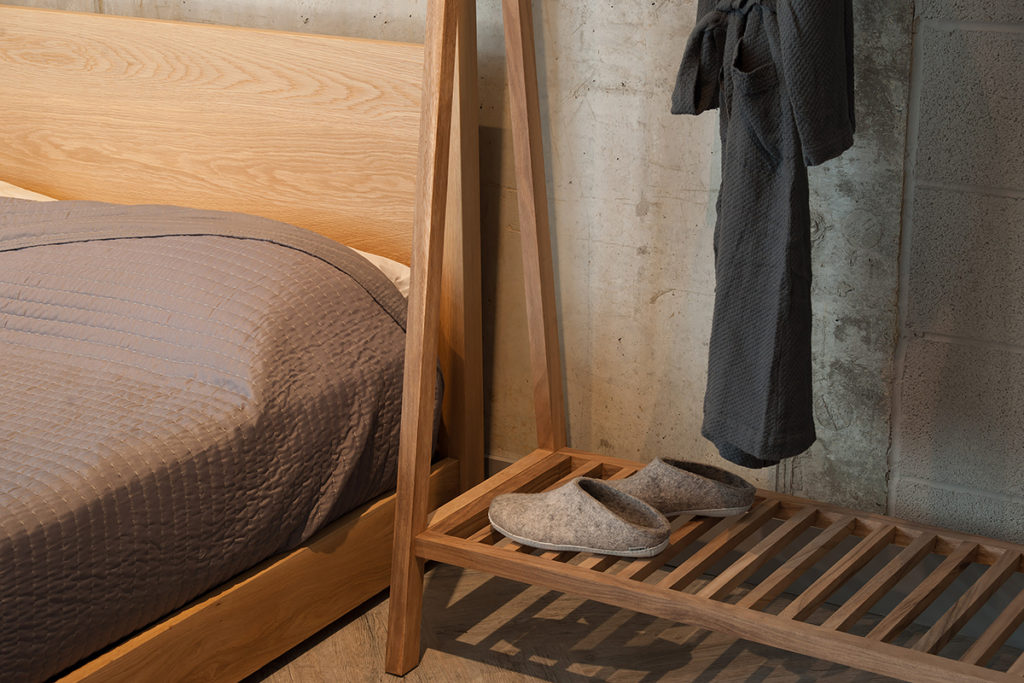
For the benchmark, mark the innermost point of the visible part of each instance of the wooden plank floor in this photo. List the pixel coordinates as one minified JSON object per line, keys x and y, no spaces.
{"x":482,"y":628}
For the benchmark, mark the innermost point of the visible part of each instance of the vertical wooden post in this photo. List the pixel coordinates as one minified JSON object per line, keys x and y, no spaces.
{"x":461,"y":354}
{"x":538,"y":269}
{"x":421,"y":337}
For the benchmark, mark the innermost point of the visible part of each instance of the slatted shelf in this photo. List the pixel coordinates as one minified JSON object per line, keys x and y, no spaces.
{"x":704,"y":575}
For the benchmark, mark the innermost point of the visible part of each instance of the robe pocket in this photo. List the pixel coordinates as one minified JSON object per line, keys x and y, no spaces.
{"x":756,"y":97}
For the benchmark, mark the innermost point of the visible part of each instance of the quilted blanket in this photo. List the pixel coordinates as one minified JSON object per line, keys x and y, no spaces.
{"x":183,"y":393}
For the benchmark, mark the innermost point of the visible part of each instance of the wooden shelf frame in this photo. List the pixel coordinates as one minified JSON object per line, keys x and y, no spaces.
{"x":460,"y":534}
{"x":716,"y":583}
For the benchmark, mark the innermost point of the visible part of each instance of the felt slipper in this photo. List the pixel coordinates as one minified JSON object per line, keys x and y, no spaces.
{"x":584,"y":515}
{"x":678,"y":487}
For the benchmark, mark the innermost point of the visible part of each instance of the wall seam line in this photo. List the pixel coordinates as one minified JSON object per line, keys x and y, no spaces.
{"x":960,"y":25}
{"x":958,"y":488}
{"x":955,"y":340}
{"x":903,"y":270}
{"x":1002,"y":192}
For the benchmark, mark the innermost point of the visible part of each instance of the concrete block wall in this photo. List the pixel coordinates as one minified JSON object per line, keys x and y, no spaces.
{"x":958,"y":417}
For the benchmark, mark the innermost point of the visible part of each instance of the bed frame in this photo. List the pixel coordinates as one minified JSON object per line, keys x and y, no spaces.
{"x":716,"y":585}
{"x":322,"y":132}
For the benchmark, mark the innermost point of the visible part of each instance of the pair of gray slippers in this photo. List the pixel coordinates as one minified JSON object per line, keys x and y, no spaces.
{"x":624,"y":517}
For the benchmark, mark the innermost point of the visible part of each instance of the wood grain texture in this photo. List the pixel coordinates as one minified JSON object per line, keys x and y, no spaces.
{"x":879,"y":584}
{"x":622,"y":582}
{"x":317,"y":131}
{"x":505,"y":632}
{"x":1001,"y":628}
{"x":804,"y":558}
{"x":796,"y":636}
{"x":838,"y":573}
{"x":460,"y":349}
{"x":531,"y":190}
{"x":957,"y":616}
{"x":236,"y":628}
{"x":422,"y":332}
{"x":727,"y":539}
{"x":918,"y":599}
{"x":765,"y":550}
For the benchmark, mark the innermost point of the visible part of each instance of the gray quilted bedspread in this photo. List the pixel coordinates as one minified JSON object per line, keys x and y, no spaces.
{"x":182,"y":394}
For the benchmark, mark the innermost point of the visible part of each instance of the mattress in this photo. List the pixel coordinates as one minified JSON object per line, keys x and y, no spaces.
{"x":184,"y":393}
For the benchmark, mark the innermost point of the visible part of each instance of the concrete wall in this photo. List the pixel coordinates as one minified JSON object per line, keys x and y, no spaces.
{"x":632,"y":190}
{"x":958,"y":428}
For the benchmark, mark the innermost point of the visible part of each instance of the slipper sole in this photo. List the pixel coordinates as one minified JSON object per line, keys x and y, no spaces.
{"x":711,"y":512}
{"x":631,"y":552}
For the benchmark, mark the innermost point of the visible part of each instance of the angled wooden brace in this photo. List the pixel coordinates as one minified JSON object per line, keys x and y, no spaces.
{"x":421,"y":335}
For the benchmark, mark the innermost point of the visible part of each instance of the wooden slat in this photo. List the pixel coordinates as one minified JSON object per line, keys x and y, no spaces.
{"x":1001,"y":628}
{"x":485,"y":535}
{"x":531,"y":190}
{"x":460,"y":350}
{"x":1017,"y":668}
{"x":918,"y":600}
{"x":759,"y":554}
{"x":838,"y":573}
{"x":781,"y":578}
{"x":533,"y":471}
{"x":716,"y":548}
{"x":796,"y":636}
{"x":882,"y":582}
{"x":989,"y":549}
{"x":598,"y":563}
{"x":423,"y":328}
{"x":969,"y":603}
{"x":678,"y":540}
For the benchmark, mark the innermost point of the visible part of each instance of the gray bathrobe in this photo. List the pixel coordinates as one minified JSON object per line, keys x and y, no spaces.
{"x":781,"y":74}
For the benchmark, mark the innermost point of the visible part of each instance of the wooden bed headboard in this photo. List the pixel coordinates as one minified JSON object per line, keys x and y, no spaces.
{"x":317,"y":131}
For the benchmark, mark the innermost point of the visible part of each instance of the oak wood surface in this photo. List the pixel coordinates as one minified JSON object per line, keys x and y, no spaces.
{"x":764,"y":551}
{"x":918,"y":599}
{"x":460,"y":539}
{"x":798,"y":563}
{"x":838,"y":573}
{"x":796,"y":636}
{"x":968,"y":605}
{"x":722,"y":543}
{"x":460,"y":348}
{"x":531,"y":191}
{"x":317,"y":131}
{"x":486,"y":629}
{"x":1001,"y":628}
{"x":881,"y":583}
{"x":482,"y":629}
{"x":422,"y":330}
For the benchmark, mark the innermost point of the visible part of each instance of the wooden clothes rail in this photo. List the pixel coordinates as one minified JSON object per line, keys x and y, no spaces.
{"x":734,"y":573}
